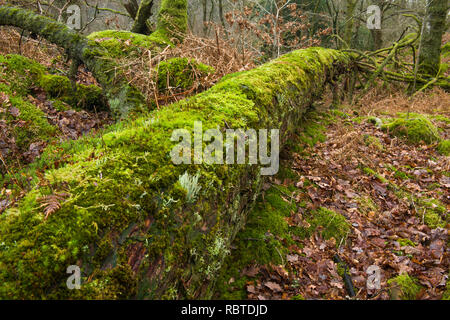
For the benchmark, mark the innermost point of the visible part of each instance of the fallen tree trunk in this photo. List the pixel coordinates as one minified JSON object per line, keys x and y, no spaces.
{"x":138,"y":225}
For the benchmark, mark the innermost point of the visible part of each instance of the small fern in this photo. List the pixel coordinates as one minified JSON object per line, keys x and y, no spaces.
{"x":190,"y":184}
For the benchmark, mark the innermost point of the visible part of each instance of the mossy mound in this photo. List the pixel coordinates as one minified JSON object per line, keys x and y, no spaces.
{"x":444,"y":147}
{"x":373,"y":142}
{"x":330,"y":224}
{"x":23,"y":123}
{"x":415,"y":130}
{"x":404,"y":287}
{"x":20,"y":73}
{"x":89,"y":97}
{"x":180,"y":73}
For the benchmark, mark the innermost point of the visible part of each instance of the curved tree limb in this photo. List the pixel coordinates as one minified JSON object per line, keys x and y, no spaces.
{"x":122,"y":97}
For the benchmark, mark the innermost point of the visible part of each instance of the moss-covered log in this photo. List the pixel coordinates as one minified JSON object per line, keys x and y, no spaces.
{"x":122,"y":97}
{"x":138,"y":225}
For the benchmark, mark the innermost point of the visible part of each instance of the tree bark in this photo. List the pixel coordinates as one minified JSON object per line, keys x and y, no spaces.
{"x":431,"y":41}
{"x":122,"y":97}
{"x":349,"y":21}
{"x":132,"y":8}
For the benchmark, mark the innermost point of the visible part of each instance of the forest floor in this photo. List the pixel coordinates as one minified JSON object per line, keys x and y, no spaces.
{"x":387,"y":203}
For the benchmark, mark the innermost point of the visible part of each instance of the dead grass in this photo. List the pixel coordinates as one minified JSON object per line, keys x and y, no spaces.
{"x":390,"y":101}
{"x":142,"y":71}
{"x":40,"y":50}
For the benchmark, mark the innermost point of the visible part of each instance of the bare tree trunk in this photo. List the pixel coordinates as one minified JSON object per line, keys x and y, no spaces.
{"x":377,"y":36}
{"x":222,"y":20}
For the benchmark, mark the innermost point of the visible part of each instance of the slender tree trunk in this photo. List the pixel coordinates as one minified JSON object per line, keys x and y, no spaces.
{"x":349,"y":21}
{"x":205,"y":15}
{"x":222,"y":20}
{"x":172,"y":19}
{"x":141,"y":19}
{"x":377,"y":36}
{"x":132,"y":8}
{"x":433,"y":29}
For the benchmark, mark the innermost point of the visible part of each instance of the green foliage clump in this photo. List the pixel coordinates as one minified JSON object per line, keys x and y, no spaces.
{"x":415,"y":130}
{"x":20,"y":73}
{"x":404,"y":287}
{"x":181,"y":73}
{"x":82,"y":96}
{"x":406,"y":242}
{"x":330,"y":223}
{"x":444,"y":147}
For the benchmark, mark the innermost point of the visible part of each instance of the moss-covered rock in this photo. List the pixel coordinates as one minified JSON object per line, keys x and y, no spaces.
{"x":415,"y":130}
{"x":404,"y":287}
{"x":123,"y":216}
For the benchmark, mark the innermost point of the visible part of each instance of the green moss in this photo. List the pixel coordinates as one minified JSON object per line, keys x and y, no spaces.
{"x":20,"y":73}
{"x":33,"y":125}
{"x":181,"y":73}
{"x":371,"y":172}
{"x":331,"y":224}
{"x":374,"y":142}
{"x":446,"y":295}
{"x":88,"y":97}
{"x":415,"y":130}
{"x":56,"y":86}
{"x":366,"y":204}
{"x":404,"y":287}
{"x":122,"y":185}
{"x":435,"y":213}
{"x":444,"y":147}
{"x":172,"y":19}
{"x":125,"y":44}
{"x":298,"y":297}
